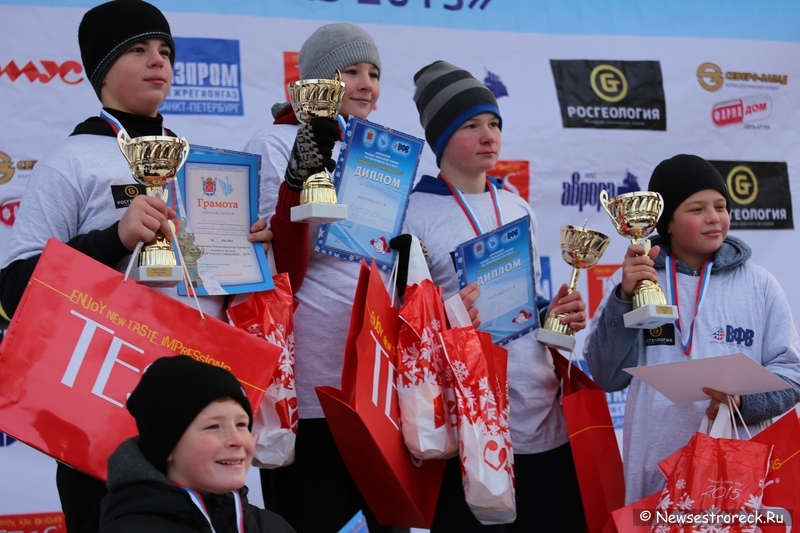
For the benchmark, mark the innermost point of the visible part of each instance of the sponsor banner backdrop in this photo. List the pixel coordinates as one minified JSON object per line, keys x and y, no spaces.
{"x":727,"y":92}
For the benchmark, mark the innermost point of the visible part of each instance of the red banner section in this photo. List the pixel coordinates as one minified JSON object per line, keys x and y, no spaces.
{"x":33,"y":523}
{"x":78,"y":344}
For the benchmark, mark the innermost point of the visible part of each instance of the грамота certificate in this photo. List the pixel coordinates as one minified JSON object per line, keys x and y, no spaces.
{"x":501,"y":261}
{"x":373,"y":177}
{"x":219,"y":189}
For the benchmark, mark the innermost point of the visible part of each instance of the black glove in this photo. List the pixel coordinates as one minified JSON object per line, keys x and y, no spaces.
{"x":402,"y":245}
{"x":312,"y":151}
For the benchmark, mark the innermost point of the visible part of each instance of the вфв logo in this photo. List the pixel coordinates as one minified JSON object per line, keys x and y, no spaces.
{"x":8,"y":210}
{"x":610,"y":94}
{"x":608,"y":83}
{"x":712,"y":78}
{"x":743,"y":110}
{"x":206,"y":78}
{"x":731,"y":335}
{"x":69,"y":71}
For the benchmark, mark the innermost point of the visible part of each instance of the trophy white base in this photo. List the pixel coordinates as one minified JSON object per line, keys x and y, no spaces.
{"x":158,"y":276}
{"x":650,"y":316}
{"x":317,"y":212}
{"x":559,"y":341}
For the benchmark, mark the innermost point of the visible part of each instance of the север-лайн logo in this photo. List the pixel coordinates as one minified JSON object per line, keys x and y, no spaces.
{"x":610,"y":94}
{"x":206,"y":78}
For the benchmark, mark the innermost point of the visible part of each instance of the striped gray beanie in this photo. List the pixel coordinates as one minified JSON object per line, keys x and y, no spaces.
{"x":446,"y":98}
{"x":333,"y":47}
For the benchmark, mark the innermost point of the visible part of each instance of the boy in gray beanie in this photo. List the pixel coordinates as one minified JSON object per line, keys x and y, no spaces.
{"x":463,"y":125}
{"x":719,"y":292}
{"x":186,"y":469}
{"x":318,"y":479}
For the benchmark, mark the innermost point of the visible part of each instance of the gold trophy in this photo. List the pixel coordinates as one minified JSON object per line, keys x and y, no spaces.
{"x":582,"y":248}
{"x":317,"y":99}
{"x":635,"y":214}
{"x":154,"y":162}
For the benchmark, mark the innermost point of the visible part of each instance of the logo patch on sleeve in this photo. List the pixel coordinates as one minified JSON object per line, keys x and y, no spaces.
{"x":660,"y":336}
{"x":124,"y":194}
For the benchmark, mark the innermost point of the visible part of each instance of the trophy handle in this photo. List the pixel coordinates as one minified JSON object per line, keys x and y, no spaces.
{"x":184,"y":153}
{"x":123,"y":143}
{"x":660,"y":205}
{"x":604,"y":203}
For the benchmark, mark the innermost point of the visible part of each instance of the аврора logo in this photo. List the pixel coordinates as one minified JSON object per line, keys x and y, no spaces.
{"x":742,"y":185}
{"x":69,"y":71}
{"x":609,"y":83}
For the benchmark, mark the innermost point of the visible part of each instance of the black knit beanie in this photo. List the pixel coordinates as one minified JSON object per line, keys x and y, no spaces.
{"x":446,"y":98}
{"x":679,"y":177}
{"x":171,"y":393}
{"x":107,"y":30}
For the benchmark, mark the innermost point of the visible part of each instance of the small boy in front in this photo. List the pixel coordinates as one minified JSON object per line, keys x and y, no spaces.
{"x":186,"y":469}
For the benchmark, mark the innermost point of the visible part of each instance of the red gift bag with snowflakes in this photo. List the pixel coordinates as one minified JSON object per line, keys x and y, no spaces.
{"x":716,"y":484}
{"x":427,"y":401}
{"x":479,"y":375}
{"x":268,"y":315}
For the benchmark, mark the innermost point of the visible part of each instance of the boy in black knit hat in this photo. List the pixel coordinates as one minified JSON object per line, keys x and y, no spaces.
{"x":186,"y":469}
{"x":706,"y":273}
{"x":80,"y":192}
{"x":463,"y":127}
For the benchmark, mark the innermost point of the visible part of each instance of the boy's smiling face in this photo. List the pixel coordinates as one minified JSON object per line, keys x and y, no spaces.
{"x":215,"y":452}
{"x":139,"y":81}
{"x":698,"y":226}
{"x":362,"y":87}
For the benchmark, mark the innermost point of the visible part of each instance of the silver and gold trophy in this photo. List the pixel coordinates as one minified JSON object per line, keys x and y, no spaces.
{"x":317,"y":98}
{"x":154,"y":162}
{"x":582,"y":248}
{"x":635,"y":214}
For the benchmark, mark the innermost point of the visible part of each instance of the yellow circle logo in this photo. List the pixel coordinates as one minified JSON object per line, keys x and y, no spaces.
{"x":742,"y":185}
{"x":608,"y":83}
{"x":131,"y":191}
{"x":710,"y":77}
{"x":656,"y":332}
{"x":6,"y":168}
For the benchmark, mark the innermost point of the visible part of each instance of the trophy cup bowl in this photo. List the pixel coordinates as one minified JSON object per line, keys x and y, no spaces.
{"x":310,"y":99}
{"x":154,"y":162}
{"x":581,"y":248}
{"x":634,"y":215}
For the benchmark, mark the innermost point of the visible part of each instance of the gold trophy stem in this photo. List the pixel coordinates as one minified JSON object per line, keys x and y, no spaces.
{"x":646,"y":292}
{"x":553,"y":322}
{"x":158,"y":252}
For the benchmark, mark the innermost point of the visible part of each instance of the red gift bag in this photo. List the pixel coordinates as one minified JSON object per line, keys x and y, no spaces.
{"x":781,"y":502}
{"x":714,"y":482}
{"x":479,"y":377}
{"x":364,"y":419}
{"x":593,"y":440}
{"x":268,"y":315}
{"x":78,"y":344}
{"x":422,"y":388}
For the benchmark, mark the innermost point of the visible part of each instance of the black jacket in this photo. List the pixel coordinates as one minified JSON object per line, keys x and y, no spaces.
{"x":142,"y":499}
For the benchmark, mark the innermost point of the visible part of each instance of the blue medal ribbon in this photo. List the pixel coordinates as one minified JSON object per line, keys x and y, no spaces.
{"x":462,"y":203}
{"x":702,"y":288}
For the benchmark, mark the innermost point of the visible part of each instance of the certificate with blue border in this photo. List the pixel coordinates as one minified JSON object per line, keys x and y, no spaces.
{"x":501,"y":261}
{"x":219,"y":190}
{"x":373,"y":177}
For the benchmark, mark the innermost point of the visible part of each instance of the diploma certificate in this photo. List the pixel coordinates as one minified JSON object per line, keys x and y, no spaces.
{"x":373,"y":177}
{"x":501,"y":261}
{"x":219,"y":190}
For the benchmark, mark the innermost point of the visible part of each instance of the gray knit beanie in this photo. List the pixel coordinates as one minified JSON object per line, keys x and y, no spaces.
{"x":446,"y":98}
{"x":679,"y":177}
{"x":333,"y":47}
